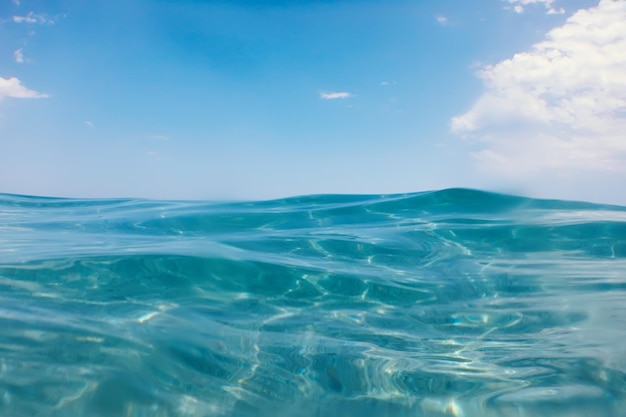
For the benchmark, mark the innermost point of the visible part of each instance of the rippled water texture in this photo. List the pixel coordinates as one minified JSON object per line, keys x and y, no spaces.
{"x":450,"y":303}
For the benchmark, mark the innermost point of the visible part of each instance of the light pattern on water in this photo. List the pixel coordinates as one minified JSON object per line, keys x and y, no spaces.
{"x":450,"y":303}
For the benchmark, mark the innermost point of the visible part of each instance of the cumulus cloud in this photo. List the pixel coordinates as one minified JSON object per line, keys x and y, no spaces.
{"x":333,"y":95}
{"x":12,"y":87}
{"x":559,"y":106}
{"x":519,"y":5}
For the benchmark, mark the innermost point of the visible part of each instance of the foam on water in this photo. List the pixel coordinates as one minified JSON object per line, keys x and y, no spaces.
{"x":450,"y":303}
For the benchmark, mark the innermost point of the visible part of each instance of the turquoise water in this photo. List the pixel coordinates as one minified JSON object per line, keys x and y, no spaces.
{"x":449,"y":303}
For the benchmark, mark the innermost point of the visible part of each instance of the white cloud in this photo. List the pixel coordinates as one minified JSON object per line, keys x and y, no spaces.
{"x":18,"y":55}
{"x":559,"y":107}
{"x":12,"y":87}
{"x":442,"y":19}
{"x":88,"y":123}
{"x":335,"y":95}
{"x":16,"y":2}
{"x":32,"y":18}
{"x":519,"y":5}
{"x":552,"y":10}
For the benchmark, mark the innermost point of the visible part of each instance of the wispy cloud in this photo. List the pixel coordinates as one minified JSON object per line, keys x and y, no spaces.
{"x":519,"y":5}
{"x":442,"y":20}
{"x":88,"y":123}
{"x":333,"y":95}
{"x":16,"y":2}
{"x":34,"y":18}
{"x":18,"y":55}
{"x":12,"y":87}
{"x":559,"y":106}
{"x":162,"y":138}
{"x":553,"y":10}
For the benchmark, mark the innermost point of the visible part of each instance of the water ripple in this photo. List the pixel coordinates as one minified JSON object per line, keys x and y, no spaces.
{"x":450,"y":303}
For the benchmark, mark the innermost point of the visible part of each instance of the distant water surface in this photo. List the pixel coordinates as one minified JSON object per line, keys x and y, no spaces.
{"x":450,"y":303}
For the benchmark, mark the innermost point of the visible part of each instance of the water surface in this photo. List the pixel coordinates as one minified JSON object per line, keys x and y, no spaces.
{"x":449,"y":303}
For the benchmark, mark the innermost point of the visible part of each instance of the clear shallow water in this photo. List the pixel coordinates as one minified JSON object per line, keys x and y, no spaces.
{"x":449,"y":303}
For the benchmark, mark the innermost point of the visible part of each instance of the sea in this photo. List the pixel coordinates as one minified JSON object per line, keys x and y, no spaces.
{"x":457,"y":303}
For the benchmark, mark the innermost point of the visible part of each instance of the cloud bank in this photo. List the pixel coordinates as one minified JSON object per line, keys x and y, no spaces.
{"x":561,"y":106}
{"x":12,"y":87}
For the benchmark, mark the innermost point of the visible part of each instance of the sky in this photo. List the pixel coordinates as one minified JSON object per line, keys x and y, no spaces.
{"x":261,"y":99}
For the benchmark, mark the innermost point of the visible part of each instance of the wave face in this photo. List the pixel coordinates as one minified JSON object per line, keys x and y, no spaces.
{"x":450,"y":303}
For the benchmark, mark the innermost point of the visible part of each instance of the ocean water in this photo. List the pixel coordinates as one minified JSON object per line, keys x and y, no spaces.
{"x":449,"y":303}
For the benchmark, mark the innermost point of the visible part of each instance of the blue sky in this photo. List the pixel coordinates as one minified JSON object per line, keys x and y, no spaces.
{"x":262,"y":99}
